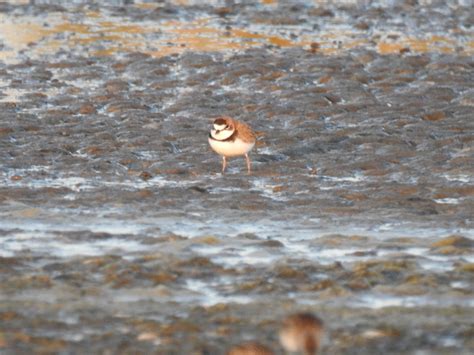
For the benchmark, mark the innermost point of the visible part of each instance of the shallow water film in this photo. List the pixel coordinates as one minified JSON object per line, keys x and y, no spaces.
{"x":119,"y":234}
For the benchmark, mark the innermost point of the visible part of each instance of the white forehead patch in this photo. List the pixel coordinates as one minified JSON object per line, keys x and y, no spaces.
{"x":219,"y":127}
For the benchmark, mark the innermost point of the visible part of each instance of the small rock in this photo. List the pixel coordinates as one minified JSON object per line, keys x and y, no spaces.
{"x":455,"y":241}
{"x":271,"y":244}
{"x":147,"y":336}
{"x":87,"y":109}
{"x":145,"y":176}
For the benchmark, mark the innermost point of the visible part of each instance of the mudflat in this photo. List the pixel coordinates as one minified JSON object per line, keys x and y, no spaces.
{"x":118,"y":234}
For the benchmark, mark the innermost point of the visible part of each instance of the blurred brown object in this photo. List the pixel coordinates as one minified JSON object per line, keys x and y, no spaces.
{"x":250,"y":348}
{"x":301,"y":332}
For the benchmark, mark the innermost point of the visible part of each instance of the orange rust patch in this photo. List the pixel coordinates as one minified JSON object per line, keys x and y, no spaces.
{"x":389,"y":48}
{"x":435,"y":116}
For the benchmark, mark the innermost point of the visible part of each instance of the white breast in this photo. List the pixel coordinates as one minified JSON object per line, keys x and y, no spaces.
{"x":231,"y":149}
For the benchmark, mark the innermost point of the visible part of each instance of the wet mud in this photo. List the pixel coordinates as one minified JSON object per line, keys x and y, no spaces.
{"x":118,"y":234}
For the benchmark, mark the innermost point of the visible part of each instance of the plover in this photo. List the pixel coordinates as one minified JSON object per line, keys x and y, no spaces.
{"x":301,"y":333}
{"x":231,"y":138}
{"x":250,"y":348}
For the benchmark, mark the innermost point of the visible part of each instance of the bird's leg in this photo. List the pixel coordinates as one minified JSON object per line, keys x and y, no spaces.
{"x":224,"y":164}
{"x":248,"y":163}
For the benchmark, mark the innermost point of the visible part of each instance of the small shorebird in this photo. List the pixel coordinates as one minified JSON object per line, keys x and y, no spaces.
{"x":250,"y":348}
{"x":301,"y":333}
{"x":231,"y":138}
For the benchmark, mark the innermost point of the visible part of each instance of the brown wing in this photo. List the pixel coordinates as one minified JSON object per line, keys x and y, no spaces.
{"x":245,"y":132}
